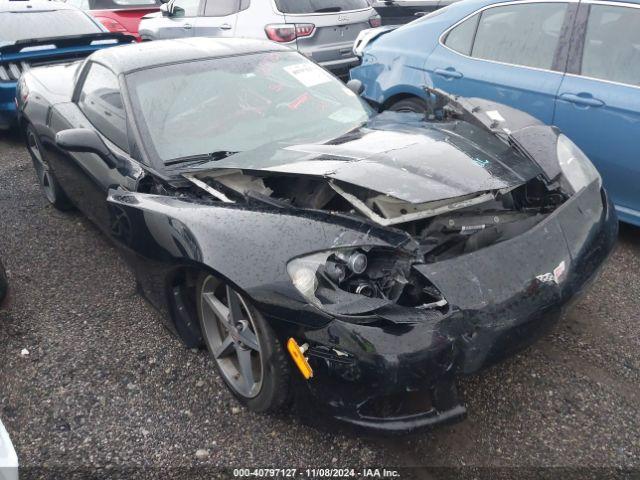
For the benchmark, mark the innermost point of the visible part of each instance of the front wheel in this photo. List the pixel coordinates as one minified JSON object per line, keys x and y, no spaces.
{"x":409,"y":105}
{"x":247,"y":354}
{"x":46,"y":178}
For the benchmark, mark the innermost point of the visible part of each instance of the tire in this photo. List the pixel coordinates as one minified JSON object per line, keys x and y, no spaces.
{"x":409,"y":105}
{"x":46,"y":178}
{"x":268,"y":389}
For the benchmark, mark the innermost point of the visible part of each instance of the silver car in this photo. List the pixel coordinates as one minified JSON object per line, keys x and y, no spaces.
{"x":323,"y":30}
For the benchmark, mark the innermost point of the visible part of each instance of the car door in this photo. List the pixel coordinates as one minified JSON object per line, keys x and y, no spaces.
{"x":85,"y":177}
{"x":219,"y":19}
{"x":180,"y":23}
{"x":598,"y":104}
{"x":513,"y":53}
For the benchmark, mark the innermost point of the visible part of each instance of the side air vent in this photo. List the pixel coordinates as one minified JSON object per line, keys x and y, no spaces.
{"x":10,"y":72}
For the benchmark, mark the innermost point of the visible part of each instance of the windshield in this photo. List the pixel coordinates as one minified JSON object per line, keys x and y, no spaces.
{"x":320,"y":6}
{"x":236,"y":104}
{"x":16,"y":26}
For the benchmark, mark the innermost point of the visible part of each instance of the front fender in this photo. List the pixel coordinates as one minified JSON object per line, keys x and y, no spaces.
{"x":248,"y":247}
{"x":383,"y":81}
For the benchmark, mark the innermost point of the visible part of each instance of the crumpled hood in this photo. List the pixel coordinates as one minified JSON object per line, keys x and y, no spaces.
{"x":401,"y":156}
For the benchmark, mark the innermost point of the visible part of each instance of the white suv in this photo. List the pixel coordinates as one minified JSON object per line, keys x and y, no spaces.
{"x":323,"y":30}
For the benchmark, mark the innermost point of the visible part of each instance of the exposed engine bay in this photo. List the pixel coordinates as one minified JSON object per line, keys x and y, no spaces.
{"x":443,"y":228}
{"x":366,"y":280}
{"x":520,"y":193}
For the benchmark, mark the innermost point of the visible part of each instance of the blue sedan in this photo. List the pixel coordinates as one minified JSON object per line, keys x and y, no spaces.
{"x":574,"y":64}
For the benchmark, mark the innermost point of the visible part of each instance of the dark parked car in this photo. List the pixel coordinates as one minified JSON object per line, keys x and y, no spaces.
{"x":399,"y":12}
{"x":353,"y":262}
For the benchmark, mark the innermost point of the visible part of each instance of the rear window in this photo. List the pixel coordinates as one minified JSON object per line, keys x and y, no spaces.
{"x":320,"y":6}
{"x":16,"y":26}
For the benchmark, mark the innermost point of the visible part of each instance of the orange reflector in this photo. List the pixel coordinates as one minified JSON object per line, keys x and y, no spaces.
{"x":299,"y":359}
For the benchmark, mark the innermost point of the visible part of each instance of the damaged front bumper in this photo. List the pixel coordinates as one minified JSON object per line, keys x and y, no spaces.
{"x":399,"y":376}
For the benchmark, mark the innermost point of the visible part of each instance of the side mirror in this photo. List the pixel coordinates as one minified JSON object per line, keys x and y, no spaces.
{"x":87,"y":141}
{"x":355,"y":86}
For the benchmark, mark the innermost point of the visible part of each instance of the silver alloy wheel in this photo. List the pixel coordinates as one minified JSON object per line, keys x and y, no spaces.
{"x":230,"y":333}
{"x":42,"y":169}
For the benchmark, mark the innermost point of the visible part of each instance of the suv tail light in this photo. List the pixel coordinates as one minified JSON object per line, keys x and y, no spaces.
{"x":288,"y":32}
{"x":375,"y":21}
{"x":112,"y":25}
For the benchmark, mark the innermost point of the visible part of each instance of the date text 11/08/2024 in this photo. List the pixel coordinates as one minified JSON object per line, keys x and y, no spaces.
{"x":316,"y":473}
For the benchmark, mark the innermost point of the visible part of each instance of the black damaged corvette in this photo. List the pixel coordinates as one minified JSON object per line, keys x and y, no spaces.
{"x":353,"y":262}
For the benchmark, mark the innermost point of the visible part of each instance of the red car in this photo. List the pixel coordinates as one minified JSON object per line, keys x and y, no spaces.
{"x":119,"y":15}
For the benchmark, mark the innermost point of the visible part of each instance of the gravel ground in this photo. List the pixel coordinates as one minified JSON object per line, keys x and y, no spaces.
{"x":105,"y":386}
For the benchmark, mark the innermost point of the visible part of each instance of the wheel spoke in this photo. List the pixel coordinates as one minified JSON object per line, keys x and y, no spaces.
{"x":221,"y":311}
{"x":225,"y":348}
{"x":234,"y":306}
{"x":246,"y":368}
{"x":249,"y":339}
{"x":232,"y":337}
{"x":35,"y":150}
{"x":41,"y":175}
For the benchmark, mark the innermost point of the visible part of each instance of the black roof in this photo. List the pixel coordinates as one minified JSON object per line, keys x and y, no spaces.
{"x":139,"y":56}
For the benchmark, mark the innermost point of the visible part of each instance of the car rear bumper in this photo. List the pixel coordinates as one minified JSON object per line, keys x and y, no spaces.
{"x":338,"y":59}
{"x":341,"y":68}
{"x":399,"y":376}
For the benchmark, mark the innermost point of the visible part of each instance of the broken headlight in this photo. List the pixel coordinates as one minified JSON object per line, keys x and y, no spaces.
{"x":353,"y":281}
{"x":576,"y":167}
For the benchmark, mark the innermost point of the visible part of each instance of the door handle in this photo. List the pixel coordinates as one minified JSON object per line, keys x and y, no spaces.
{"x":225,"y":26}
{"x":187,"y":26}
{"x":449,"y":72}
{"x":582,"y":99}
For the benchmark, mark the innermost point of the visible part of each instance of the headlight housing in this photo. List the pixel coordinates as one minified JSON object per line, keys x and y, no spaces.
{"x":577,"y":169}
{"x":351,"y":281}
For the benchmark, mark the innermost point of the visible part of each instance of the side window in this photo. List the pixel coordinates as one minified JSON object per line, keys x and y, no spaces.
{"x":101,"y":102}
{"x":186,"y":8}
{"x":524,"y":34}
{"x":612,"y":44}
{"x":460,"y":38}
{"x":221,"y":8}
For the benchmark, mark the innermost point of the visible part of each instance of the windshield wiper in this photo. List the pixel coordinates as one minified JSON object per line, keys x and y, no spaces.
{"x":202,"y":158}
{"x":328,"y":10}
